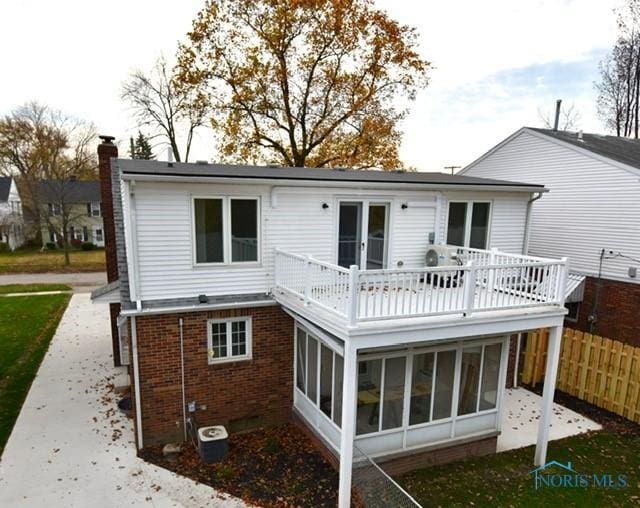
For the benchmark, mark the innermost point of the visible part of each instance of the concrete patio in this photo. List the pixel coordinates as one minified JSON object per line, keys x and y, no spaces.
{"x":521,"y":414}
{"x":71,"y":447}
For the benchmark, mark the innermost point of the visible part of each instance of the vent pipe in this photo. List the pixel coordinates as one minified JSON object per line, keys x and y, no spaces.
{"x":557,"y":120}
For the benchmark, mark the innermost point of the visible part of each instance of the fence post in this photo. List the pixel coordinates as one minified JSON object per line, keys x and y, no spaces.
{"x":354,"y":294}
{"x":308,"y":287}
{"x":469,"y":288}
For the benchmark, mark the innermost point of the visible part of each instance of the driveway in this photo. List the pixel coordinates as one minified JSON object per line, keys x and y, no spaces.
{"x":80,"y":282}
{"x":71,"y":447}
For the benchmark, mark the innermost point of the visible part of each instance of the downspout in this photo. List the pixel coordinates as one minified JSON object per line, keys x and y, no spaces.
{"x":527,"y":224}
{"x":184,"y":399}
{"x":136,"y":382}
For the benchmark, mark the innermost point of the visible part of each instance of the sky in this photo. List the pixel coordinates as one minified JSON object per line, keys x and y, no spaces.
{"x":496,"y":63}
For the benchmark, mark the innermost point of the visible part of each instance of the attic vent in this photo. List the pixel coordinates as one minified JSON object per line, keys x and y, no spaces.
{"x":202,"y":162}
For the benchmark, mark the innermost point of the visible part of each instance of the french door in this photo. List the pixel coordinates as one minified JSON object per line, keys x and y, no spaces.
{"x":363,"y":234}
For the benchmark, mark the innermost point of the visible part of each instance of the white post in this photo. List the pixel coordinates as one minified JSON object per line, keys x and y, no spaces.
{"x":469,"y":288}
{"x":307,"y":279}
{"x":562,"y":281}
{"x":354,"y":294}
{"x":553,"y":358}
{"x":347,"y":431}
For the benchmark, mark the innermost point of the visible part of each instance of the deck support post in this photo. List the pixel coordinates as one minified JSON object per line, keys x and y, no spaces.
{"x":347,"y":431}
{"x":553,"y":358}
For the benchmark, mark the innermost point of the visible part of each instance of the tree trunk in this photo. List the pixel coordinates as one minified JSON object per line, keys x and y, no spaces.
{"x":65,"y":246}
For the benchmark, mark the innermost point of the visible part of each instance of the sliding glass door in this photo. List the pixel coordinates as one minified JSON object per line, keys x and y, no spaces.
{"x":362,"y":234}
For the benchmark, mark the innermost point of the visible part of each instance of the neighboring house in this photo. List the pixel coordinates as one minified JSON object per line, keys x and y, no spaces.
{"x":591,"y":215}
{"x":11,"y":218}
{"x":81,"y":200}
{"x":257,"y":294}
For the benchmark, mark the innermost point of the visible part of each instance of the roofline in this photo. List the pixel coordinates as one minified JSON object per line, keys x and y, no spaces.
{"x":560,"y":142}
{"x":320,"y":182}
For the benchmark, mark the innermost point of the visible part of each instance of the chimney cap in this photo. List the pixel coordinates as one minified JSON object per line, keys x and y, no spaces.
{"x":106,"y":139}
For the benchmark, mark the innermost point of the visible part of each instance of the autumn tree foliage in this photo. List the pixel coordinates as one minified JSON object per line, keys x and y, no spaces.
{"x":319,"y":83}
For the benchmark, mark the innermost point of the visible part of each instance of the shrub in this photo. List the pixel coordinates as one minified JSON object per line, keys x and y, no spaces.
{"x":4,"y":247}
{"x":50,"y":246}
{"x":88,"y":246}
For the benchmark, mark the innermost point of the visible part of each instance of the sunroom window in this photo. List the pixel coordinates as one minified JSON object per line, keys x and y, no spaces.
{"x":319,"y":374}
{"x":479,"y":378}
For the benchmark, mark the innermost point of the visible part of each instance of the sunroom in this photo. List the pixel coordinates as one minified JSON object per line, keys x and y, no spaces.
{"x":407,"y":398}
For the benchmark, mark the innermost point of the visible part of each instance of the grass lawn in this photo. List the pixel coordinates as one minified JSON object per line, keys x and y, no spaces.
{"x":504,"y":479}
{"x":27,"y":324}
{"x":32,"y":288}
{"x":35,"y":261}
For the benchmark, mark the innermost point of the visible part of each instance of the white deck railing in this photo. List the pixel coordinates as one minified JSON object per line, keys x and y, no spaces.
{"x":487,"y":281}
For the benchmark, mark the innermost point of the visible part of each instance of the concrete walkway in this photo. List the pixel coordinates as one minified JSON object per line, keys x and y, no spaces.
{"x":521,"y":416}
{"x":71,"y":447}
{"x":80,"y":282}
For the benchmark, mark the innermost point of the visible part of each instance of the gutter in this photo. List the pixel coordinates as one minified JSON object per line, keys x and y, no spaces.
{"x":527,"y":224}
{"x":136,"y":383}
{"x":349,"y":184}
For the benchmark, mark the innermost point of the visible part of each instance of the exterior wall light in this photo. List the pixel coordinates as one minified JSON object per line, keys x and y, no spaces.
{"x":325,"y":206}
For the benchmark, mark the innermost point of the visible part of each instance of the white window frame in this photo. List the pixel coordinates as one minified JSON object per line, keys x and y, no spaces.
{"x":96,"y":209}
{"x":226,"y":232}
{"x":467,"y":220}
{"x":248,"y":339}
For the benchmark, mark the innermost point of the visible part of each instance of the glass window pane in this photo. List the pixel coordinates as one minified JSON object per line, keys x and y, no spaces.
{"x":326,"y":379}
{"x":244,"y":230}
{"x":469,"y":379}
{"x":455,"y":226}
{"x":218,"y":340}
{"x":490,"y":374}
{"x":376,"y":244}
{"x":445,"y":368}
{"x":394,"y":371}
{"x":208,"y":216}
{"x":312,"y":368}
{"x":421,"y":384}
{"x":368,"y":414}
{"x":349,"y":234}
{"x":302,"y":360}
{"x":337,"y":391}
{"x":238,"y":338}
{"x":479,"y":226}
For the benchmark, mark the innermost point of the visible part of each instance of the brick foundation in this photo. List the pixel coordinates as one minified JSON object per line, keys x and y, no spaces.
{"x":617,"y":310}
{"x":410,"y":462}
{"x":240,"y":395}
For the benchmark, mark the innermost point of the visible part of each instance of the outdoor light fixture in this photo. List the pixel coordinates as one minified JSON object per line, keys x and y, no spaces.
{"x":325,"y":206}
{"x":404,"y":206}
{"x":203,"y":299}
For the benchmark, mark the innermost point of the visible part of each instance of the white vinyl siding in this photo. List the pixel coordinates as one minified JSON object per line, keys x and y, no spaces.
{"x":291,"y":219}
{"x":591,"y":204}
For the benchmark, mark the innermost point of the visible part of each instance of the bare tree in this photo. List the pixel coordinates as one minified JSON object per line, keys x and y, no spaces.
{"x":39,"y":144}
{"x":170,"y":112}
{"x":619,"y":87}
{"x":569,"y":118}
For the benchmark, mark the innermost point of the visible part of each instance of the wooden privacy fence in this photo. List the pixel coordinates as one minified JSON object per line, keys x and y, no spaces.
{"x":601,"y":371}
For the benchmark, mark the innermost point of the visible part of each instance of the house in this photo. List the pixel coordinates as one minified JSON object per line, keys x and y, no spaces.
{"x":245,"y":296}
{"x":74,"y":202}
{"x":11,"y":218}
{"x":591,"y":215}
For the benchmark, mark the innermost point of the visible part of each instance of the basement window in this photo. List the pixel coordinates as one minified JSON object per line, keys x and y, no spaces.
{"x":229,"y":340}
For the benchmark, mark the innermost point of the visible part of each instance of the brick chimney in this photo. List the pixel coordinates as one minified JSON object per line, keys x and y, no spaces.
{"x":106,"y":151}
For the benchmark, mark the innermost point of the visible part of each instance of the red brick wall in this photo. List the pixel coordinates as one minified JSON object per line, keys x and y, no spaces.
{"x":429,"y":458}
{"x":617,"y":310}
{"x":238,"y":394}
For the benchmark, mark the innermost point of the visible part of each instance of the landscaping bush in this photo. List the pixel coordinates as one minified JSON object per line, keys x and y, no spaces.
{"x":88,"y":246}
{"x":50,"y":246}
{"x":4,"y":247}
